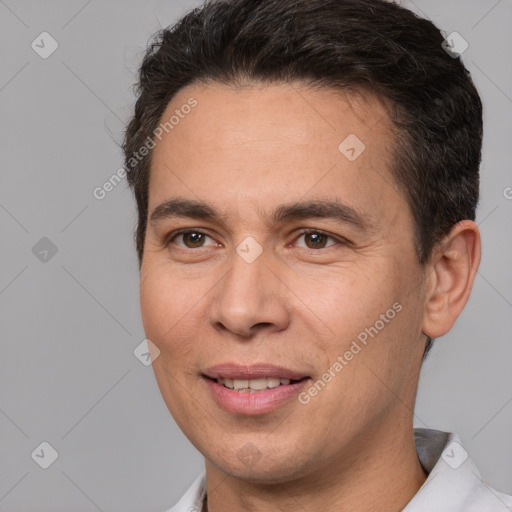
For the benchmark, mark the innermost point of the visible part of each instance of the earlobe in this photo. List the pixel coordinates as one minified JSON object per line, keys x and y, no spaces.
{"x":450,"y":278}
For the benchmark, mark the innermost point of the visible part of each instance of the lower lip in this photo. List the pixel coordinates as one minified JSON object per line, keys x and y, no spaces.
{"x":253,"y":403}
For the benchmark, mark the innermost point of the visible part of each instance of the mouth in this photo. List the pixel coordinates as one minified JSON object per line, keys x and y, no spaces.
{"x":255,"y":385}
{"x":253,"y":389}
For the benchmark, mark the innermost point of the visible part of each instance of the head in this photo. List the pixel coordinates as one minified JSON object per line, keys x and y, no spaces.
{"x":254,"y":121}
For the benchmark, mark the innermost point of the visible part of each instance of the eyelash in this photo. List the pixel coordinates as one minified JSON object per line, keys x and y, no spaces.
{"x":301,"y":233}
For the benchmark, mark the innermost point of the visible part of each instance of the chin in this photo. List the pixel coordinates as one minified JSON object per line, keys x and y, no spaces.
{"x":249,"y":464}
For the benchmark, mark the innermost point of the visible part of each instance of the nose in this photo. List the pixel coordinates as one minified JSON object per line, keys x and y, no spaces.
{"x":250,"y":299}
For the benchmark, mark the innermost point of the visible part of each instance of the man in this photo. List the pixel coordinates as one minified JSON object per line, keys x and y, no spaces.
{"x":306,"y":175}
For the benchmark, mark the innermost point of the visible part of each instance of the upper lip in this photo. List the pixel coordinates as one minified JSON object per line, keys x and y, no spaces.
{"x":253,"y":371}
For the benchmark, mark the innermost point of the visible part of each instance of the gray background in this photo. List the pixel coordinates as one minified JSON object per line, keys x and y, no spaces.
{"x":68,"y":374}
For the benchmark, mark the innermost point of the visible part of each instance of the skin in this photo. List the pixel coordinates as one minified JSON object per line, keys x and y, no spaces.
{"x":246,"y":151}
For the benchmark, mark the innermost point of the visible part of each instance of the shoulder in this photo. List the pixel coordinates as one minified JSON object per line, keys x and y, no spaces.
{"x":454,"y":483}
{"x":192,"y":500}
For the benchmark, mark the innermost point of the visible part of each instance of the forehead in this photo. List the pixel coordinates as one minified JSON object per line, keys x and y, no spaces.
{"x":292,"y":112}
{"x":261,"y":142}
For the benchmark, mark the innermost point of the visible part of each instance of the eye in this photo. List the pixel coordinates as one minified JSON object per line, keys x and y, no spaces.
{"x":314,"y":239}
{"x":191,"y":239}
{"x":195,"y":239}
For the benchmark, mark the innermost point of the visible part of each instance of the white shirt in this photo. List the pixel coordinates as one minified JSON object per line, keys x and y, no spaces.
{"x":453,"y":484}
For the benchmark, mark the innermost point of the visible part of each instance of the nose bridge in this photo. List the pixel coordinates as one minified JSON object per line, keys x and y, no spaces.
{"x":249,"y":294}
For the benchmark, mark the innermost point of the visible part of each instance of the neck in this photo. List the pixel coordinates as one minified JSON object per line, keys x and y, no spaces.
{"x":381,"y":473}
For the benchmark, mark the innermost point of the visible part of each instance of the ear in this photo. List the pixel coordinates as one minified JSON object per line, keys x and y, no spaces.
{"x":450,"y":277}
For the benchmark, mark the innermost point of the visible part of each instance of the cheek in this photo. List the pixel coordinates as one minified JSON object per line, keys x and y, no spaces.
{"x":346,"y":300}
{"x":167,"y":312}
{"x":364,"y":319}
{"x":169,"y":308}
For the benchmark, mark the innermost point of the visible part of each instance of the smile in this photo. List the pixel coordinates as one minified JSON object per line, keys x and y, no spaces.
{"x":255,"y":385}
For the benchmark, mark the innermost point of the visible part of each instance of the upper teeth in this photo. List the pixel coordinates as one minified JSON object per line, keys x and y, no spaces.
{"x":254,"y":384}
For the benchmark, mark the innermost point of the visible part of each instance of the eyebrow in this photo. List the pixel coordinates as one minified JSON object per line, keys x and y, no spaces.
{"x":301,"y":210}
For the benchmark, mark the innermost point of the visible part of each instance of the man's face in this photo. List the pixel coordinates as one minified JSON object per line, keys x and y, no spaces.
{"x":248,"y":288}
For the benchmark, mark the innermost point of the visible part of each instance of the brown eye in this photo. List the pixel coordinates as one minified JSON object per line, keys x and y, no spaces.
{"x":190,"y":239}
{"x":193,"y":239}
{"x":316,"y":240}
